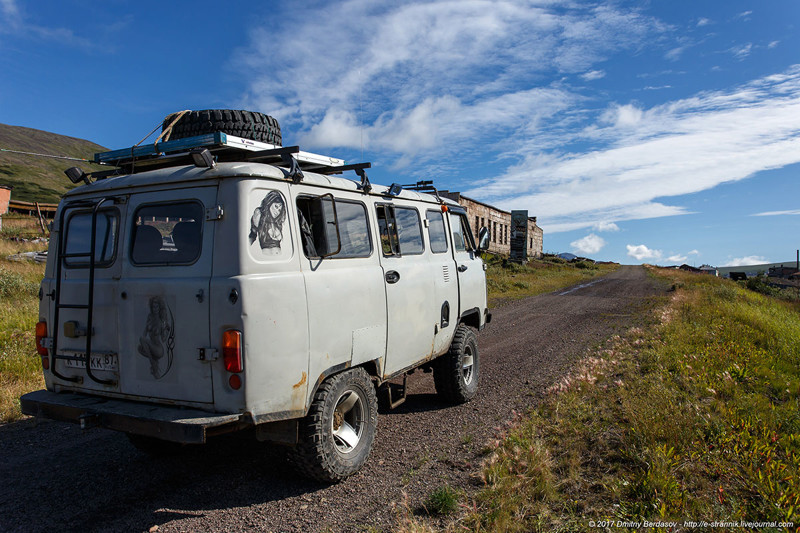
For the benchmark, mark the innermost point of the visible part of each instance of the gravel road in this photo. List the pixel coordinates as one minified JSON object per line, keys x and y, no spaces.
{"x":54,"y":477}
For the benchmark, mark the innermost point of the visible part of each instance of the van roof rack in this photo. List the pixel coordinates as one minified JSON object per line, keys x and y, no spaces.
{"x":424,"y":186}
{"x":223,"y":148}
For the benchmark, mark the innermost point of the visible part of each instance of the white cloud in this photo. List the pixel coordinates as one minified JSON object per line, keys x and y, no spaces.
{"x":591,"y":244}
{"x":605,"y":226}
{"x":675,"y":53}
{"x":638,"y":155}
{"x":744,"y":14}
{"x":777,"y":213}
{"x":593,"y":75}
{"x":12,"y":22}
{"x":641,"y":252}
{"x":747,"y":261}
{"x":703,"y":22}
{"x":773,"y":44}
{"x":681,"y":258}
{"x":740,"y":52}
{"x":431,"y":77}
{"x":424,"y":82}
{"x":623,"y":116}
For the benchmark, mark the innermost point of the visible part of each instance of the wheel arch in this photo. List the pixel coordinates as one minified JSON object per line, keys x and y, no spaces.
{"x":373,"y":369}
{"x":471,"y":318}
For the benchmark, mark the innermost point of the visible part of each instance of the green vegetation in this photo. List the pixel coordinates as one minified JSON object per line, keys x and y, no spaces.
{"x":442,"y":501}
{"x":20,"y":367}
{"x":39,"y":179}
{"x":694,"y":416}
{"x":508,"y":281}
{"x":762,"y":285}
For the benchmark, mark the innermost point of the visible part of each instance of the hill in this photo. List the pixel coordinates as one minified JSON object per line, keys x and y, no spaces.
{"x":40,"y":179}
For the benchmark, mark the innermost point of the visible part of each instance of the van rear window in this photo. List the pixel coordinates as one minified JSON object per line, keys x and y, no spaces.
{"x":79,"y":234}
{"x":167,"y":234}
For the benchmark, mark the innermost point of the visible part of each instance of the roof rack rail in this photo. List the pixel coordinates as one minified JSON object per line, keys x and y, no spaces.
{"x":424,"y":186}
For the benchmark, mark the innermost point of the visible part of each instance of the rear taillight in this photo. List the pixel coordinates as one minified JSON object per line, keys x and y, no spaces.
{"x":232,"y":350}
{"x":41,"y":334}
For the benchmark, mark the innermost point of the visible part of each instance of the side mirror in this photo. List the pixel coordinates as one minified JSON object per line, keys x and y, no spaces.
{"x":483,"y":239}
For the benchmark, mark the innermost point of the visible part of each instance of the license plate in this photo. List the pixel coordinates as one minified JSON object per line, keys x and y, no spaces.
{"x":106,"y":362}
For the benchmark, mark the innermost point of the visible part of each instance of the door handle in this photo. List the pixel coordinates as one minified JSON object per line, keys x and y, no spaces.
{"x":462,"y":268}
{"x":392,"y":276}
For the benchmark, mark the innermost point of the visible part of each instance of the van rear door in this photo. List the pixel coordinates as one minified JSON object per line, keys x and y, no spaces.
{"x":163,"y":296}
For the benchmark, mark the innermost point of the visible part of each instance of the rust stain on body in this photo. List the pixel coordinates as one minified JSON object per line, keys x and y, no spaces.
{"x":301,"y":383}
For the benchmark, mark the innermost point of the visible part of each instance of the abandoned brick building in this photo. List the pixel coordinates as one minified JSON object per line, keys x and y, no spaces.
{"x":499,"y":224}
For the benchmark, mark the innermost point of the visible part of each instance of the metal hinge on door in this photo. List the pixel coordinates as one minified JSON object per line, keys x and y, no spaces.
{"x":208,"y":354}
{"x":214,"y":213}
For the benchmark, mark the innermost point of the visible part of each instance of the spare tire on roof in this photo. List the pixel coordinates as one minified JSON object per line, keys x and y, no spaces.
{"x":246,"y":124}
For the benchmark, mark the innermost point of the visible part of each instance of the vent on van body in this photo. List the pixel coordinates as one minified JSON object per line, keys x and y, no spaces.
{"x":446,"y":273}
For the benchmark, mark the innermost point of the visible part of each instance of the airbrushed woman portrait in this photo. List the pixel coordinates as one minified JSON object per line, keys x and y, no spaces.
{"x":266,"y":224}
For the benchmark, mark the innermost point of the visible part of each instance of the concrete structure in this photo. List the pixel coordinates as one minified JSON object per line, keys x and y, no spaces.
{"x":499,"y":224}
{"x":5,"y":198}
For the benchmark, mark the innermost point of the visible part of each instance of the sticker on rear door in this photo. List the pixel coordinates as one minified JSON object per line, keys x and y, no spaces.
{"x":268,"y":225}
{"x":157,"y":342}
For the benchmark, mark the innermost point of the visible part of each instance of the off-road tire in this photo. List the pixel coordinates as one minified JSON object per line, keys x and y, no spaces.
{"x":318,"y":454}
{"x":247,"y":124}
{"x":155,"y":447}
{"x":455,"y":382}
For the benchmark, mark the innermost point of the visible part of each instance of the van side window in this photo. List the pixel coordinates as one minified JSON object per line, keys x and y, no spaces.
{"x":166,"y":234}
{"x":409,"y":230}
{"x":462,"y":238}
{"x":436,"y":231}
{"x":318,"y":227}
{"x":401,"y":230}
{"x":78,"y":237}
{"x":388,"y":230}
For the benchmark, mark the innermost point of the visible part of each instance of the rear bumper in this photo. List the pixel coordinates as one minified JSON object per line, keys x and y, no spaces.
{"x":190,"y":426}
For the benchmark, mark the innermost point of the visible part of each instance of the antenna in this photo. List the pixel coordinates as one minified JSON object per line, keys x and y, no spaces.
{"x":361,"y":112}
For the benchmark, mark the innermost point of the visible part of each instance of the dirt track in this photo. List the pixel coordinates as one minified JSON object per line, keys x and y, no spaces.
{"x":55,"y":477}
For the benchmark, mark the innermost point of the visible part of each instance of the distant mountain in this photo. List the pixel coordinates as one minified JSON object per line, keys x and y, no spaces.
{"x":40,"y":179}
{"x":568,"y":256}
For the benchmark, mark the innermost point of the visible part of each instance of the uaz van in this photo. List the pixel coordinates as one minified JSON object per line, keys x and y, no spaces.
{"x":213,"y":283}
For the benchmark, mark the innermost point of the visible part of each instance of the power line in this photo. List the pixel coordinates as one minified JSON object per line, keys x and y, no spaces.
{"x":49,"y":155}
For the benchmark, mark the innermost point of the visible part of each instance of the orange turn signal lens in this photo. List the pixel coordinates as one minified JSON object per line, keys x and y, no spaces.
{"x":232,"y":350}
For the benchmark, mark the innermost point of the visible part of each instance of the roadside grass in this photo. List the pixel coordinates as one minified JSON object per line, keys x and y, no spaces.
{"x":507,"y":281}
{"x":691,"y":416}
{"x":20,"y":367}
{"x":15,"y":225}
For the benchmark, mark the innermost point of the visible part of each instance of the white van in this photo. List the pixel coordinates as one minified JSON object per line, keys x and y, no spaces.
{"x":214,"y":283}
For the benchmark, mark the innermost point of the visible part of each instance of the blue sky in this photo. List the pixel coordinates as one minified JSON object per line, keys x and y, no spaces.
{"x":661,"y":132}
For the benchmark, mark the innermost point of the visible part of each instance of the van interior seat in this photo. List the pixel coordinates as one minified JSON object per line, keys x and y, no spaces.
{"x":186,"y":237}
{"x":147,"y":244}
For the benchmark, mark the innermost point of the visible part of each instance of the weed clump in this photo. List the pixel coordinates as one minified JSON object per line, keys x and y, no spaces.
{"x":442,"y":501}
{"x":14,"y":285}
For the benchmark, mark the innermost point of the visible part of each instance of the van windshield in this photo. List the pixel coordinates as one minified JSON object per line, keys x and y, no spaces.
{"x":167,"y":234}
